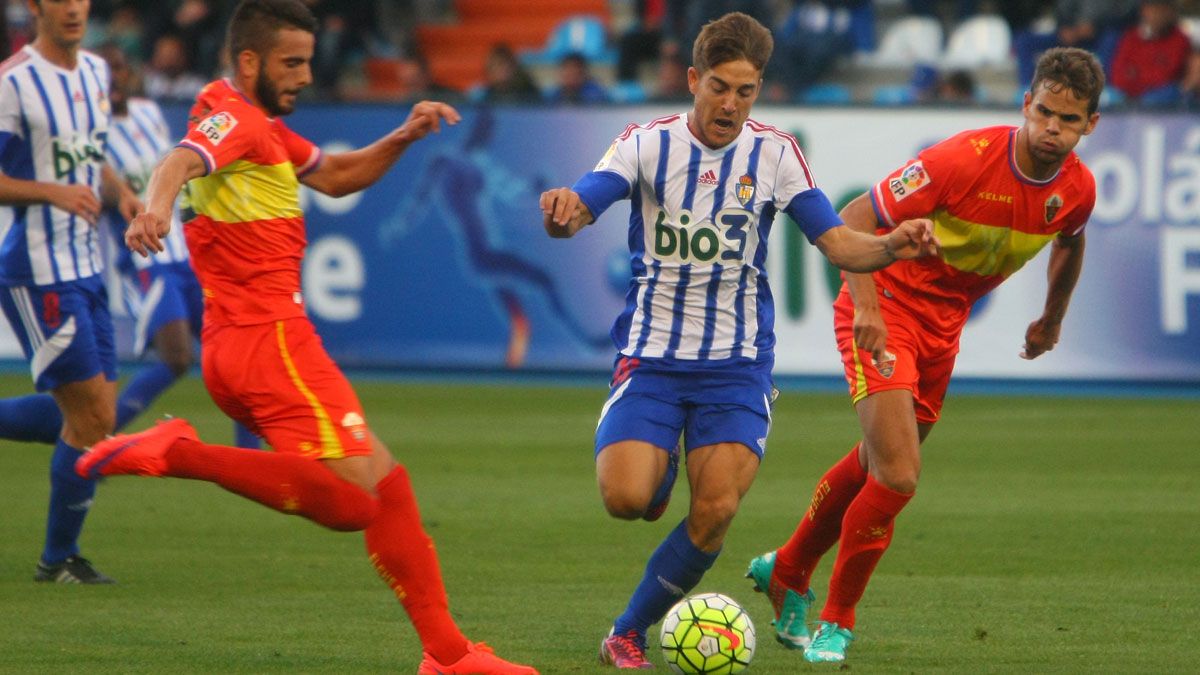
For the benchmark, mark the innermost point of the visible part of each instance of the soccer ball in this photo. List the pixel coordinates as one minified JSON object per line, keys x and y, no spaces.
{"x":706,"y":634}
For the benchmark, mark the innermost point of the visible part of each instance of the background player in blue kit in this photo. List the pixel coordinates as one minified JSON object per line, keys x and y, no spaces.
{"x":695,"y":341}
{"x":54,"y":122}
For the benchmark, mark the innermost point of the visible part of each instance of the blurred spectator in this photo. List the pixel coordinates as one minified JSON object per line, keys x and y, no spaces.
{"x":19,"y":24}
{"x":4,"y":50}
{"x":168,"y":76}
{"x":671,"y":81}
{"x":1095,"y":25}
{"x":347,"y":35}
{"x":956,"y":88}
{"x":658,"y":23}
{"x":506,"y":80}
{"x":576,"y":84}
{"x":416,"y":82}
{"x":811,"y":38}
{"x":125,"y":31}
{"x":1152,"y":57}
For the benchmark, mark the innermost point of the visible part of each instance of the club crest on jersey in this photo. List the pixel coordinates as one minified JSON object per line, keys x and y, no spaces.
{"x":745,"y":190}
{"x":1053,"y":204}
{"x":217,"y":127}
{"x":355,"y":424}
{"x":912,"y":178}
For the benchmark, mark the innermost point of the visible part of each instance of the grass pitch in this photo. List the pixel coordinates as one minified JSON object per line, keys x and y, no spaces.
{"x":1049,"y":535}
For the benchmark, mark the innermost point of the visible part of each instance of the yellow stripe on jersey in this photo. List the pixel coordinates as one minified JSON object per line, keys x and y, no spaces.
{"x":986,"y":250}
{"x":331,"y":446}
{"x":244,"y":191}
{"x":860,"y":376}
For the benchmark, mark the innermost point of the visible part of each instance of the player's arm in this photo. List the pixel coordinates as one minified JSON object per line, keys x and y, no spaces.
{"x":1066,"y":262}
{"x":115,"y":191}
{"x":563,"y":213}
{"x":344,"y":173}
{"x":78,"y":199}
{"x":146,"y":230}
{"x":870,"y":331}
{"x":857,"y":251}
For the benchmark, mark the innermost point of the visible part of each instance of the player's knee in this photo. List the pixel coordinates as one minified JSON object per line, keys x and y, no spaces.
{"x":902,"y":481}
{"x":352,"y":511}
{"x":712,"y":515}
{"x":92,"y":422}
{"x":624,"y":503}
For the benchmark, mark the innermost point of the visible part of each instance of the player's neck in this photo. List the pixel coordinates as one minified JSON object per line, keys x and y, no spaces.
{"x":246,"y":89}
{"x":63,"y":56}
{"x":1027,"y":165}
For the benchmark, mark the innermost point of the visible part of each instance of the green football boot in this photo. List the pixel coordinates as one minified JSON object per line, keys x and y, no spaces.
{"x":791,"y":606}
{"x":828,"y":644}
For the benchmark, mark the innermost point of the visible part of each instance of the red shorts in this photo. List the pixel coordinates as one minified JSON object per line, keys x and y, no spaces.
{"x":277,"y":380}
{"x":924,"y":358}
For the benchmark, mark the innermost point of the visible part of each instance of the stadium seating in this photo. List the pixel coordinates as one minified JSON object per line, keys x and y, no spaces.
{"x":979,"y":41}
{"x":908,"y":41}
{"x":582,"y":34}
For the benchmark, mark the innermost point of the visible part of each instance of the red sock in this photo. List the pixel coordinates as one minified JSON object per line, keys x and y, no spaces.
{"x":819,"y":528}
{"x":404,"y":557}
{"x":281,"y":481}
{"x":866,"y":533}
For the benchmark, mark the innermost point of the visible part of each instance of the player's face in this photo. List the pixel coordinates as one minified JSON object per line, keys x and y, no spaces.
{"x":723,"y":98}
{"x":1055,"y":120}
{"x":285,"y":71}
{"x":63,"y":22}
{"x":118,"y":67}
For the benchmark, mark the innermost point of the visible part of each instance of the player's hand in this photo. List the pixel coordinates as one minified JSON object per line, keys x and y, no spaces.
{"x":77,"y":199}
{"x":1040,"y":337}
{"x":913,"y":239}
{"x":561,"y":208}
{"x":426,"y":117}
{"x":870,"y":334}
{"x":129,"y":205}
{"x":145,"y":232}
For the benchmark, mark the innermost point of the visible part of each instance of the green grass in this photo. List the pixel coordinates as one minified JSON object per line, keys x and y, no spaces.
{"x":1049,"y":535}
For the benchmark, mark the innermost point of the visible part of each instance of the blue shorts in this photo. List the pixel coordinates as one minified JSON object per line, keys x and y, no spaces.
{"x":725,"y":405}
{"x":65,"y":330}
{"x":159,"y":295}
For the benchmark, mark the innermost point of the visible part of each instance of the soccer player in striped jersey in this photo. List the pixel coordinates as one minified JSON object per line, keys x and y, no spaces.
{"x":160,"y":292}
{"x":54,"y":121}
{"x":262,"y":360}
{"x":695,"y":342}
{"x":997,"y":196}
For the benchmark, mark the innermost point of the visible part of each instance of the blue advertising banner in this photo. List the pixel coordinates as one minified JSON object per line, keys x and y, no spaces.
{"x":444,"y":263}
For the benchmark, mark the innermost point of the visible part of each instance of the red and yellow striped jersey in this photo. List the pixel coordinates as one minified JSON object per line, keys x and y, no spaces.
{"x":247,"y":238}
{"x":990,"y":218}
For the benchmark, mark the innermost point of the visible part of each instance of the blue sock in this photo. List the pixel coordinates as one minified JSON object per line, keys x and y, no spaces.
{"x":33,"y":418}
{"x":70,"y":499}
{"x":674,"y":569}
{"x":244,"y":438}
{"x":143,"y":388}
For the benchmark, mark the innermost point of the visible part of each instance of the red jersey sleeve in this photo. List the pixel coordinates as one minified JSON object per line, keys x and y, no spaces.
{"x":1077,"y":218}
{"x":303,"y":154}
{"x":225,"y":134}
{"x":916,"y":189}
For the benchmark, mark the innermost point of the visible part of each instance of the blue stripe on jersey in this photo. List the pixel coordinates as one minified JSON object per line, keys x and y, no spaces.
{"x":16,"y":158}
{"x":693,"y":174}
{"x":48,"y":217}
{"x":62,"y":79}
{"x":87,"y":97}
{"x":710,"y":312}
{"x":719,"y":196}
{"x":765,"y":305}
{"x":681,"y":289}
{"x":92,"y":178}
{"x":598,"y":190}
{"x":660,"y":175}
{"x":739,"y":310}
{"x":129,"y":140}
{"x":637,"y":268}
{"x":72,"y":219}
{"x":146,"y":132}
{"x":656,"y":267}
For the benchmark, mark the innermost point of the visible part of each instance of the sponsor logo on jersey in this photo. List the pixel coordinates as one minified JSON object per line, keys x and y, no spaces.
{"x":980,"y":144}
{"x":355,"y":424}
{"x":78,"y":150}
{"x":745,"y":190}
{"x":912,"y":178}
{"x":607,"y":158}
{"x":1053,"y":204}
{"x":707,"y":178}
{"x":217,"y":127}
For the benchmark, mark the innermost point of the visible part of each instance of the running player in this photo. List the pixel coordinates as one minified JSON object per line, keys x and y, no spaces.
{"x":997,"y":196}
{"x":695,"y":342}
{"x":54,"y":122}
{"x":262,"y":360}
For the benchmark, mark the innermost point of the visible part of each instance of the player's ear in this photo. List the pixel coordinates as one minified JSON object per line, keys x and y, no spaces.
{"x":693,"y":79}
{"x":1091,"y":123}
{"x":248,"y":62}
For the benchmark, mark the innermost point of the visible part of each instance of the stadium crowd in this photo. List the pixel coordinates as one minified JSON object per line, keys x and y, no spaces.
{"x":910,"y":51}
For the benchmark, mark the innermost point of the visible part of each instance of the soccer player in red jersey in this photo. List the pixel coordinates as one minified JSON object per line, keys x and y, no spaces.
{"x":996,"y":196}
{"x":262,"y":360}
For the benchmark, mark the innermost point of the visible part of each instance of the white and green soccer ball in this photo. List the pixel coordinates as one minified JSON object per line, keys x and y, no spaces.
{"x":707,"y":634}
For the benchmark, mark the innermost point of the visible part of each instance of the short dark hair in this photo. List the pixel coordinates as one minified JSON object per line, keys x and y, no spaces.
{"x":255,"y":23}
{"x":733,"y":37}
{"x":1076,"y":69}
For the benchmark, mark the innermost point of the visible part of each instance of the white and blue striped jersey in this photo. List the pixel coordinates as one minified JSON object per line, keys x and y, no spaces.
{"x":136,"y":142}
{"x":53,"y":128}
{"x":698,"y":236}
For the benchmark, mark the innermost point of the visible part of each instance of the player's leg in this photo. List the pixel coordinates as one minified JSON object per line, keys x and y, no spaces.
{"x":155,"y":299}
{"x":35,"y":417}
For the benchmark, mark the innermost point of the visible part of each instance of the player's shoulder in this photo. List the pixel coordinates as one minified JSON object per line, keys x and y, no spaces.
{"x":634,"y":129}
{"x":1078,"y":173}
{"x":222,"y":107}
{"x":978,"y":143}
{"x":95,"y":63}
{"x":18,"y":58}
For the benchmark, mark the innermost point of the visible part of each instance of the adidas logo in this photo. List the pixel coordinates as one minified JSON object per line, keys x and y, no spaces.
{"x":707,"y":178}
